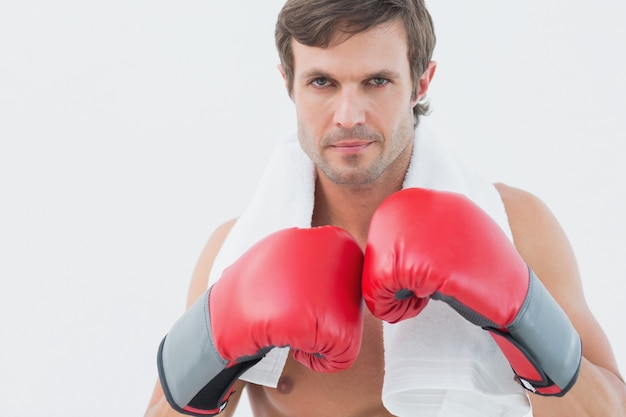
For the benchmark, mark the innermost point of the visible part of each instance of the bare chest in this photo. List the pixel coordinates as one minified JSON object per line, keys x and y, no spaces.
{"x":351,"y":393}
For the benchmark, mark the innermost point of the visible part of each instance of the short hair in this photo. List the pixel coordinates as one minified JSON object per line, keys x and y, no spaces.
{"x":316,"y":22}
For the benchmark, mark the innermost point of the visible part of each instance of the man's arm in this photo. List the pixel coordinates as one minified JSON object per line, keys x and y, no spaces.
{"x":158,"y":406}
{"x":540,"y":240}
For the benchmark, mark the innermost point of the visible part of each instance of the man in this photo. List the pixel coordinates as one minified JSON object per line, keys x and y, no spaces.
{"x":358,"y":72}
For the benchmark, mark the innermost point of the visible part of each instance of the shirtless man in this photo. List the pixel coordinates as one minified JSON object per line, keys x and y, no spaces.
{"x":367,"y":77}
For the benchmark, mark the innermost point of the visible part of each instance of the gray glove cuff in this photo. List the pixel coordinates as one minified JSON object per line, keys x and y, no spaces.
{"x":545,"y":334}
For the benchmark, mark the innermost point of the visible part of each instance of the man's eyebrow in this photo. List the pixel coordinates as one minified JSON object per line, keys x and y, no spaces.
{"x":317,"y":73}
{"x":314,"y":73}
{"x":385,"y":73}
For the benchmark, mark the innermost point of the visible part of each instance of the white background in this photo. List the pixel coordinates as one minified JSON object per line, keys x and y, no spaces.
{"x":130,"y":129}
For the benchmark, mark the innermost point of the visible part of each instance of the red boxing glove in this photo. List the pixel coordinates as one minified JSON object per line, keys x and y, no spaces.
{"x":297,"y":287}
{"x":426,"y":244}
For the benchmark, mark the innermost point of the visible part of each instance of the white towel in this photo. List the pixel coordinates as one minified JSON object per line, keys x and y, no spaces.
{"x":436,"y":364}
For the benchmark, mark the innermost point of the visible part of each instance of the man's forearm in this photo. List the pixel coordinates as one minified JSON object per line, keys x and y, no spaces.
{"x":161,"y":409}
{"x":598,"y":392}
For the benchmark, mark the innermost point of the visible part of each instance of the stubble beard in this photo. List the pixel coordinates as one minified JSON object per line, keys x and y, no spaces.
{"x":353,"y":170}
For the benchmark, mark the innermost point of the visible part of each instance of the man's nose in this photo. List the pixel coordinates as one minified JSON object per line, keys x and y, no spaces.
{"x":349,"y":109}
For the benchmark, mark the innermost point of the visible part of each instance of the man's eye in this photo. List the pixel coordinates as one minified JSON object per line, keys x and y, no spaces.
{"x":378,"y":81}
{"x":320,"y":82}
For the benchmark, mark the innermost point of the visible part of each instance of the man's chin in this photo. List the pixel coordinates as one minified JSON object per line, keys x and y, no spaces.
{"x":353,"y":177}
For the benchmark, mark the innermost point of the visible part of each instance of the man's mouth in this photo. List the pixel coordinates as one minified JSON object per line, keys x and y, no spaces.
{"x":351,"y":145}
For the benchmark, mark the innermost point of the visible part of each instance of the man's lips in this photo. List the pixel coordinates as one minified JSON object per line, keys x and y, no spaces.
{"x":351,"y":146}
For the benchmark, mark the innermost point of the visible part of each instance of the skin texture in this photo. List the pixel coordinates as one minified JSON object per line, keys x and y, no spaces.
{"x":355,"y":121}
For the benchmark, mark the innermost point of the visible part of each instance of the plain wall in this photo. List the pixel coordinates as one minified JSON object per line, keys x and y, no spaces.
{"x":130,"y":129}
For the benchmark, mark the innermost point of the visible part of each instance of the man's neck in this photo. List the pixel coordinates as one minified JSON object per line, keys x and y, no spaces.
{"x":351,"y":207}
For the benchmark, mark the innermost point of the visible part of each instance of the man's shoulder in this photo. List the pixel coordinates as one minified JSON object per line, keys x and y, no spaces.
{"x":515,"y":196}
{"x":200,"y":277}
{"x":522,"y":207}
{"x":215,"y":242}
{"x":539,"y":237}
{"x":222,"y":231}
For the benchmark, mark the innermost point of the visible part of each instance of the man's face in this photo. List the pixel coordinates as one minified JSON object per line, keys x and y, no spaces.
{"x":354,"y":103}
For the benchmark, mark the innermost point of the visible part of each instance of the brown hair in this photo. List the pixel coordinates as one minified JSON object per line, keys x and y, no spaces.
{"x":316,"y":22}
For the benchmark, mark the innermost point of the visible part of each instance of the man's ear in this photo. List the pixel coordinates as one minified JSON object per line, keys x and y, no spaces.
{"x":424,"y":81}
{"x":282,"y":72}
{"x":284,"y":75}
